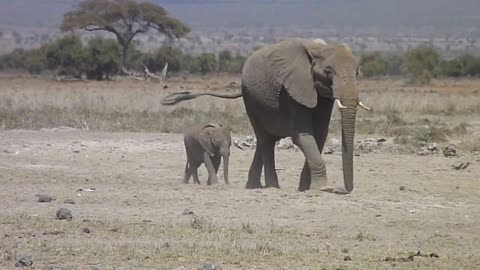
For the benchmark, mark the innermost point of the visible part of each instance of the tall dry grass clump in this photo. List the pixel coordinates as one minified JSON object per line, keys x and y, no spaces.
{"x":410,"y":114}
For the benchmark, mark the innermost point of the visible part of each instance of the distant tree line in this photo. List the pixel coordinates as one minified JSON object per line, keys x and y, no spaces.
{"x":419,"y":65}
{"x":100,"y":59}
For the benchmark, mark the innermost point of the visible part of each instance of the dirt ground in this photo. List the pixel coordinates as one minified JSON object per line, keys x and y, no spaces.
{"x":140,"y":216}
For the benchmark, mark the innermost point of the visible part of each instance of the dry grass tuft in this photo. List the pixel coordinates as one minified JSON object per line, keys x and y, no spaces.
{"x":447,"y":108}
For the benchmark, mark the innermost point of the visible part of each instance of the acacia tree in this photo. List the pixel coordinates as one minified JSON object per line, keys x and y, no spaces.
{"x":124,"y":18}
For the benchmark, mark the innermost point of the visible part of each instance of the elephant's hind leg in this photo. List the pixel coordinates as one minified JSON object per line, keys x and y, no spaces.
{"x":305,"y":178}
{"x":188,"y":173}
{"x":255,"y":171}
{"x":268,"y":156}
{"x":194,"y":172}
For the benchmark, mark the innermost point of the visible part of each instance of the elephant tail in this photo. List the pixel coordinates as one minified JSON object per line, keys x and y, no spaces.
{"x":175,"y":98}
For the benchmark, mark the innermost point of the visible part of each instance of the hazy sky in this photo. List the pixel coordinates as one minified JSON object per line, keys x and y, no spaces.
{"x":337,"y":13}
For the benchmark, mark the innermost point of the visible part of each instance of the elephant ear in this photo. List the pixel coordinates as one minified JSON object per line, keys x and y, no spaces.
{"x":205,"y":138}
{"x":292,"y":62}
{"x":213,"y":125}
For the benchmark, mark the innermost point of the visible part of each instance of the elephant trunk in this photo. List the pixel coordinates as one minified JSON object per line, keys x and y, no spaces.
{"x":225,"y":168}
{"x":348,"y":134}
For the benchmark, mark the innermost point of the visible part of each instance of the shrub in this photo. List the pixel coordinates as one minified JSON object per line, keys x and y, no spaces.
{"x":67,"y":55}
{"x":207,"y":63}
{"x":35,"y":61}
{"x":103,"y":58}
{"x":419,"y":64}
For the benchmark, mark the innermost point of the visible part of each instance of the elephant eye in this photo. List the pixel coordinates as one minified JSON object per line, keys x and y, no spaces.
{"x":329,"y":70}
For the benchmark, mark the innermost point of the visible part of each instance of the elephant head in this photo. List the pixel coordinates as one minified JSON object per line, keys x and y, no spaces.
{"x":216,"y":139}
{"x":310,"y":70}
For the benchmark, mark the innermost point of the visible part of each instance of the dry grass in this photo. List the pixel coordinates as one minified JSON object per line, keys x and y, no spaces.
{"x":148,"y":245}
{"x":125,"y":105}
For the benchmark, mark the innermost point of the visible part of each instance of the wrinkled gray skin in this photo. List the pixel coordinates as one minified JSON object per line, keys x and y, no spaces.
{"x":207,"y":144}
{"x":289,"y":89}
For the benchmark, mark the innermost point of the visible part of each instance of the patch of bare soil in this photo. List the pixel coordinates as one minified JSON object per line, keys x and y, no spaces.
{"x":130,"y":211}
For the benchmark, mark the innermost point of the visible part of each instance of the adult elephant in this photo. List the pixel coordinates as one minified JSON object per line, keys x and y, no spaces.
{"x":289,"y":89}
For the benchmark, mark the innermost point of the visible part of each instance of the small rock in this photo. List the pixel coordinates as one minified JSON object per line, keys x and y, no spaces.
{"x":187,"y":212}
{"x":85,"y":230}
{"x":402,"y":188}
{"x":25,"y":261}
{"x":381,"y":140}
{"x":285,"y":144}
{"x":429,"y":149}
{"x":328,"y":151}
{"x":208,"y":267}
{"x":248,"y":143}
{"x":165,"y":86}
{"x":64,"y":213}
{"x":347,"y":258}
{"x":6,"y":256}
{"x":53,"y":233}
{"x":44,"y":198}
{"x":450,"y":151}
{"x":69,"y":201}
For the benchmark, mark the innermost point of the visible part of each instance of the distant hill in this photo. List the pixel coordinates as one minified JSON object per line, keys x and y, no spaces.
{"x":383,"y":15}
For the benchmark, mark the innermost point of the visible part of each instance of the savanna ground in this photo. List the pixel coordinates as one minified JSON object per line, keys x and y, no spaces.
{"x":128,"y":148}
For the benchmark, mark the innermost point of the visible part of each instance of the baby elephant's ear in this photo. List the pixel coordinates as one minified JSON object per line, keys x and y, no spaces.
{"x":213,"y":125}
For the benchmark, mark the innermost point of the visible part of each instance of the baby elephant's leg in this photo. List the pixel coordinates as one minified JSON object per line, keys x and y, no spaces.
{"x":188,"y":173}
{"x":212,"y":175}
{"x":194,"y":170}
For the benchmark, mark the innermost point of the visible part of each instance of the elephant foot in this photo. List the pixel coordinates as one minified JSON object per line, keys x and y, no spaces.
{"x":272,"y":186}
{"x":253,"y":185}
{"x":321,"y":185}
{"x":340,"y":191}
{"x":211,"y":183}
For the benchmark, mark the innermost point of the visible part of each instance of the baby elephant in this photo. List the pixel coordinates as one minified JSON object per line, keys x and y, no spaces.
{"x":207,"y":144}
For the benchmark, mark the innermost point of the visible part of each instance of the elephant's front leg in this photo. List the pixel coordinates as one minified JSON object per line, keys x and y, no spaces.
{"x":316,"y":165}
{"x":212,"y":175}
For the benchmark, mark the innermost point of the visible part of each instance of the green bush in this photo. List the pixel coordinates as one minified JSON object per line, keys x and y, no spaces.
{"x":207,"y":62}
{"x":35,"y":61}
{"x":13,"y":60}
{"x":419,"y":64}
{"x":376,"y":64}
{"x":230,"y":64}
{"x":67,"y":55}
{"x":190,"y":64}
{"x":103,"y":58}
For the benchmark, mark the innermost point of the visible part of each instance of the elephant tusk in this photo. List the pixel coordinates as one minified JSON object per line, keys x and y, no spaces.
{"x":339,"y":104}
{"x":363,"y":106}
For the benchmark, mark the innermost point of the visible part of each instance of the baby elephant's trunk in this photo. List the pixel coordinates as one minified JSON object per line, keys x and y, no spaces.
{"x":225,"y":168}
